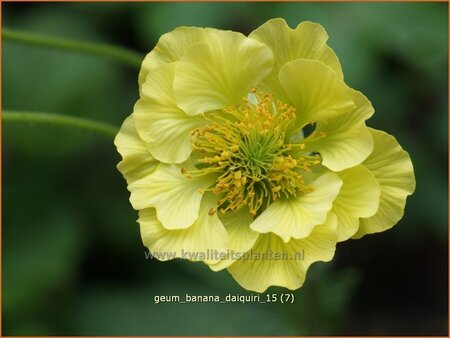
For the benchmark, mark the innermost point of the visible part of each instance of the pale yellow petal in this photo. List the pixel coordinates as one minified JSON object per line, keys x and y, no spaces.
{"x":345,"y":141}
{"x":315,"y":91}
{"x":306,"y":41}
{"x":160,"y":123}
{"x":296,"y":217}
{"x":199,"y":242}
{"x":394,"y":171}
{"x":359,"y":197}
{"x":136,"y":159}
{"x":175,"y":197}
{"x":219,"y":73}
{"x":170,"y":48}
{"x":241,"y":237}
{"x":273,"y":262}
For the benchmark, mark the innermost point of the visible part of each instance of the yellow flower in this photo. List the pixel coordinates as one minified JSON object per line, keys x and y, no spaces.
{"x":252,"y":154}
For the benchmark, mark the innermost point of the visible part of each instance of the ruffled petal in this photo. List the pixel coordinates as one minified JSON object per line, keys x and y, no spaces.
{"x":159,"y":122}
{"x":315,"y":91}
{"x":241,"y":237}
{"x":199,"y":242}
{"x":359,"y":197}
{"x":219,"y":73}
{"x":394,"y":171}
{"x":170,"y":48}
{"x":344,"y":141}
{"x":296,"y":217}
{"x":306,"y":41}
{"x":175,"y":197}
{"x":136,"y":160}
{"x":274,"y":262}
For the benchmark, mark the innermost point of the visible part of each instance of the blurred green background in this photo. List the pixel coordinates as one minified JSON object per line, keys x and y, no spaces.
{"x":73,"y":262}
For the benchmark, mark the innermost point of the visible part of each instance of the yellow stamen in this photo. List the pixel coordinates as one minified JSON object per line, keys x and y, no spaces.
{"x":250,"y":152}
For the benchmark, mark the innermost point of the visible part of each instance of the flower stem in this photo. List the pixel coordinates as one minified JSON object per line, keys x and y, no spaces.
{"x":125,"y":56}
{"x":101,"y":128}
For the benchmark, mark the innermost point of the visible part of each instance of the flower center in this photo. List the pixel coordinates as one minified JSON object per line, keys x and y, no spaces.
{"x":249,"y":148}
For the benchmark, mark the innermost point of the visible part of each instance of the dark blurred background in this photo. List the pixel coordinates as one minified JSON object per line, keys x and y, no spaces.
{"x":73,"y":262}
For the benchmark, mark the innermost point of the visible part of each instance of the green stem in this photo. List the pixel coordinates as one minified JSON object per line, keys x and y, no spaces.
{"x":123,"y":55}
{"x":101,"y":128}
